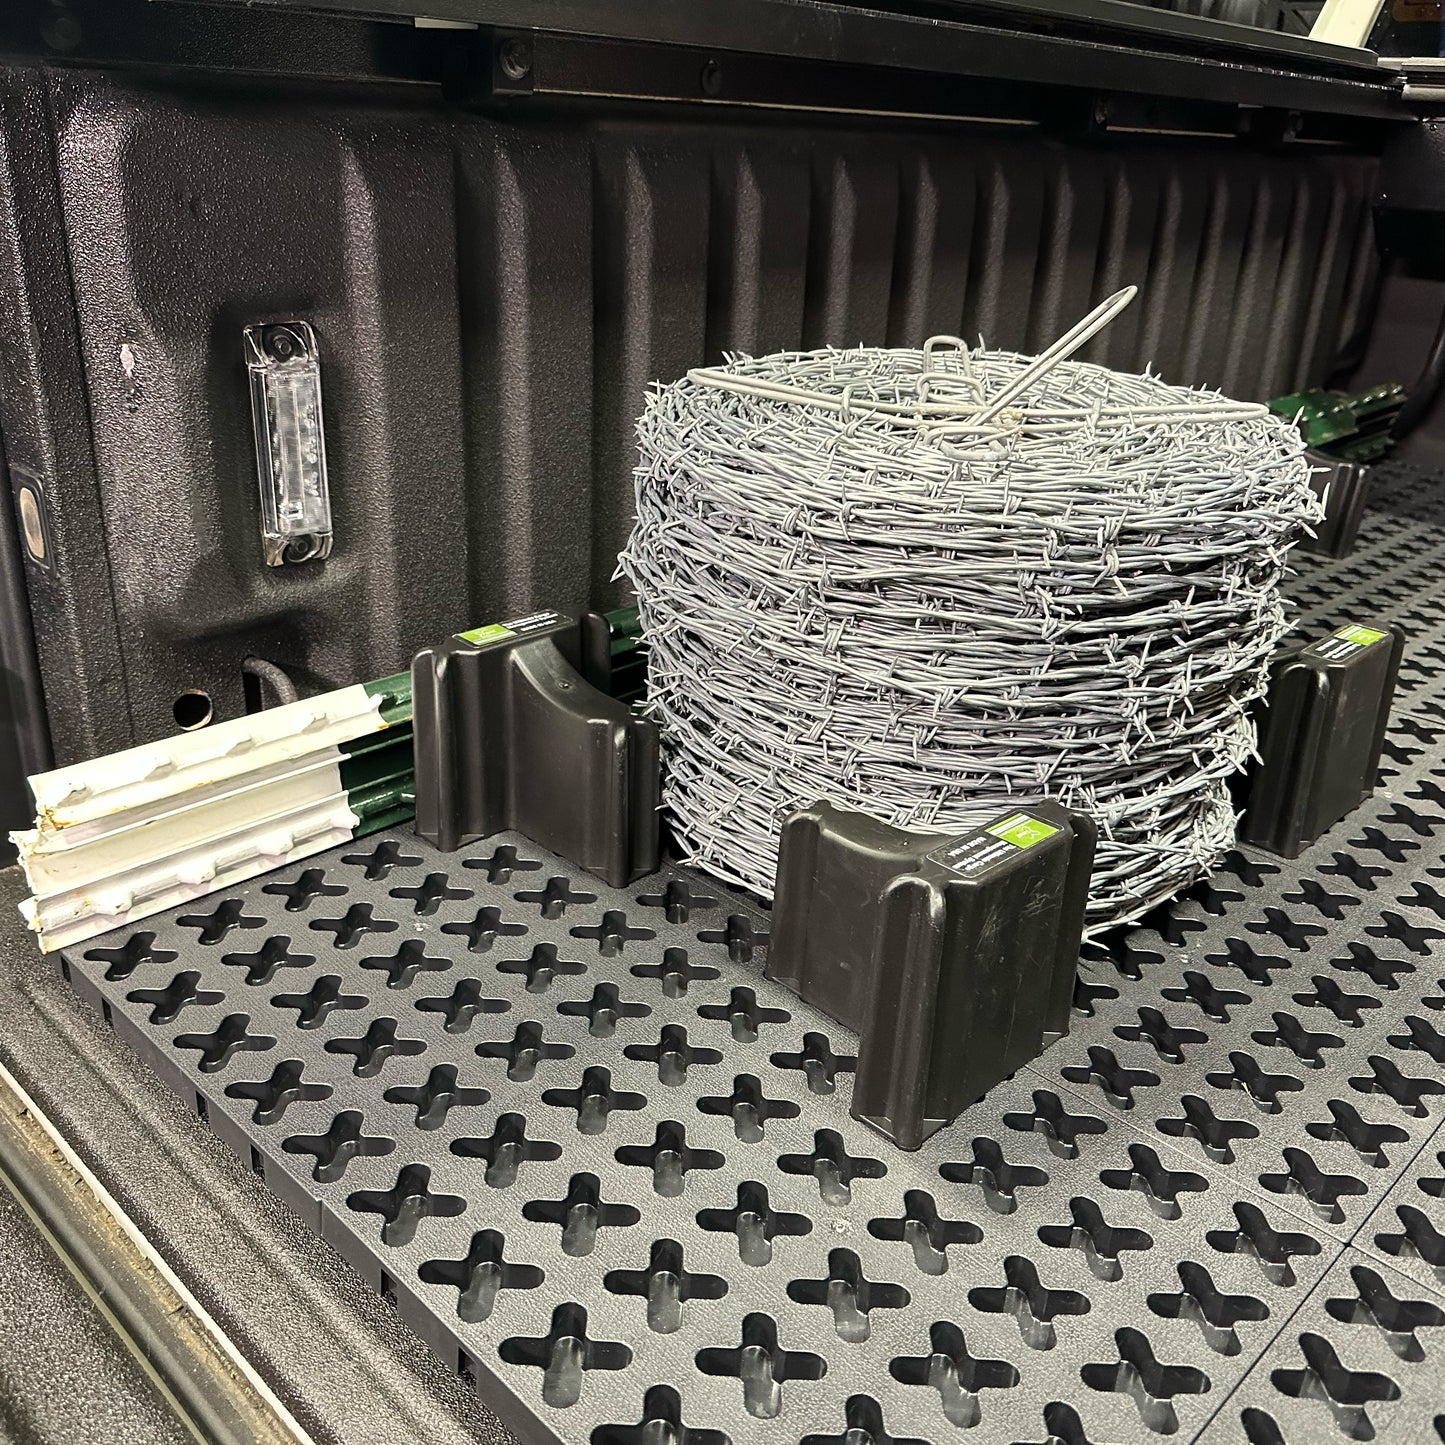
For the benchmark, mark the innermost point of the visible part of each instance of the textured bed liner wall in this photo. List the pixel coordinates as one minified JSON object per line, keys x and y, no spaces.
{"x":492,"y":297}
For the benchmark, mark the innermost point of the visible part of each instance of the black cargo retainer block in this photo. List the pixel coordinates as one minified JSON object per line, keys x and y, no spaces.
{"x":1320,"y":739}
{"x":952,"y":957}
{"x":510,"y":736}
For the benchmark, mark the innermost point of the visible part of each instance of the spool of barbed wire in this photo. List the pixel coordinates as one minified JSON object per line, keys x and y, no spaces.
{"x":932,"y":584}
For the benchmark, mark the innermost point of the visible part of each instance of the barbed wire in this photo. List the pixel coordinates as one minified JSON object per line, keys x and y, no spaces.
{"x":861,"y":579}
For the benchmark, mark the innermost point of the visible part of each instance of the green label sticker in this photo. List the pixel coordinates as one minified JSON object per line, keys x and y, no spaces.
{"x":492,"y":632}
{"x":532,"y":624}
{"x":1022,"y":831}
{"x":1347,"y":644}
{"x":1360,"y":636}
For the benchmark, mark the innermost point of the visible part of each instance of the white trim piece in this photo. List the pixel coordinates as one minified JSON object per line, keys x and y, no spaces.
{"x":136,"y":780}
{"x":143,"y":1247}
{"x":1346,"y":22}
{"x":89,"y":852}
{"x":122,"y":837}
{"x":100,"y":904}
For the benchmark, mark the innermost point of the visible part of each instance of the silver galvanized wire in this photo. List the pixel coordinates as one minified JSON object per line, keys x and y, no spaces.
{"x":856,"y":584}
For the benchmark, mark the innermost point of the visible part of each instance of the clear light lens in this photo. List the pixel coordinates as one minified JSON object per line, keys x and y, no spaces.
{"x":290,"y":444}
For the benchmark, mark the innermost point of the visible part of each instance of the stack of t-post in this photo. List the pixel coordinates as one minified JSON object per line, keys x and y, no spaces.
{"x":122,"y":837}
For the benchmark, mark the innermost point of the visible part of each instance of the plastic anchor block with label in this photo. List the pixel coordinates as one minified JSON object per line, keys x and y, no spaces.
{"x":510,"y":736}
{"x":952,"y":957}
{"x":1343,"y":486}
{"x":1327,"y":709}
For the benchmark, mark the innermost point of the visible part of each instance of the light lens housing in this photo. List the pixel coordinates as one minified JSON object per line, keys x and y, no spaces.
{"x":285,"y":370}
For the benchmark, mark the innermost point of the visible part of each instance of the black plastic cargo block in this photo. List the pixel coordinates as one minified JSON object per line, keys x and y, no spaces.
{"x":612,"y":656}
{"x":1345,"y":487}
{"x":510,"y":736}
{"x":1328,"y":707}
{"x":952,"y":957}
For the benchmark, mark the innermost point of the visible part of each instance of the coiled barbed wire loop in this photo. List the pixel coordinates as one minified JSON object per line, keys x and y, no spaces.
{"x":934,"y":584}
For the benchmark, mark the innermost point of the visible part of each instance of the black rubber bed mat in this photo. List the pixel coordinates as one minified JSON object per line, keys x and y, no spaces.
{"x":607,"y":1172}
